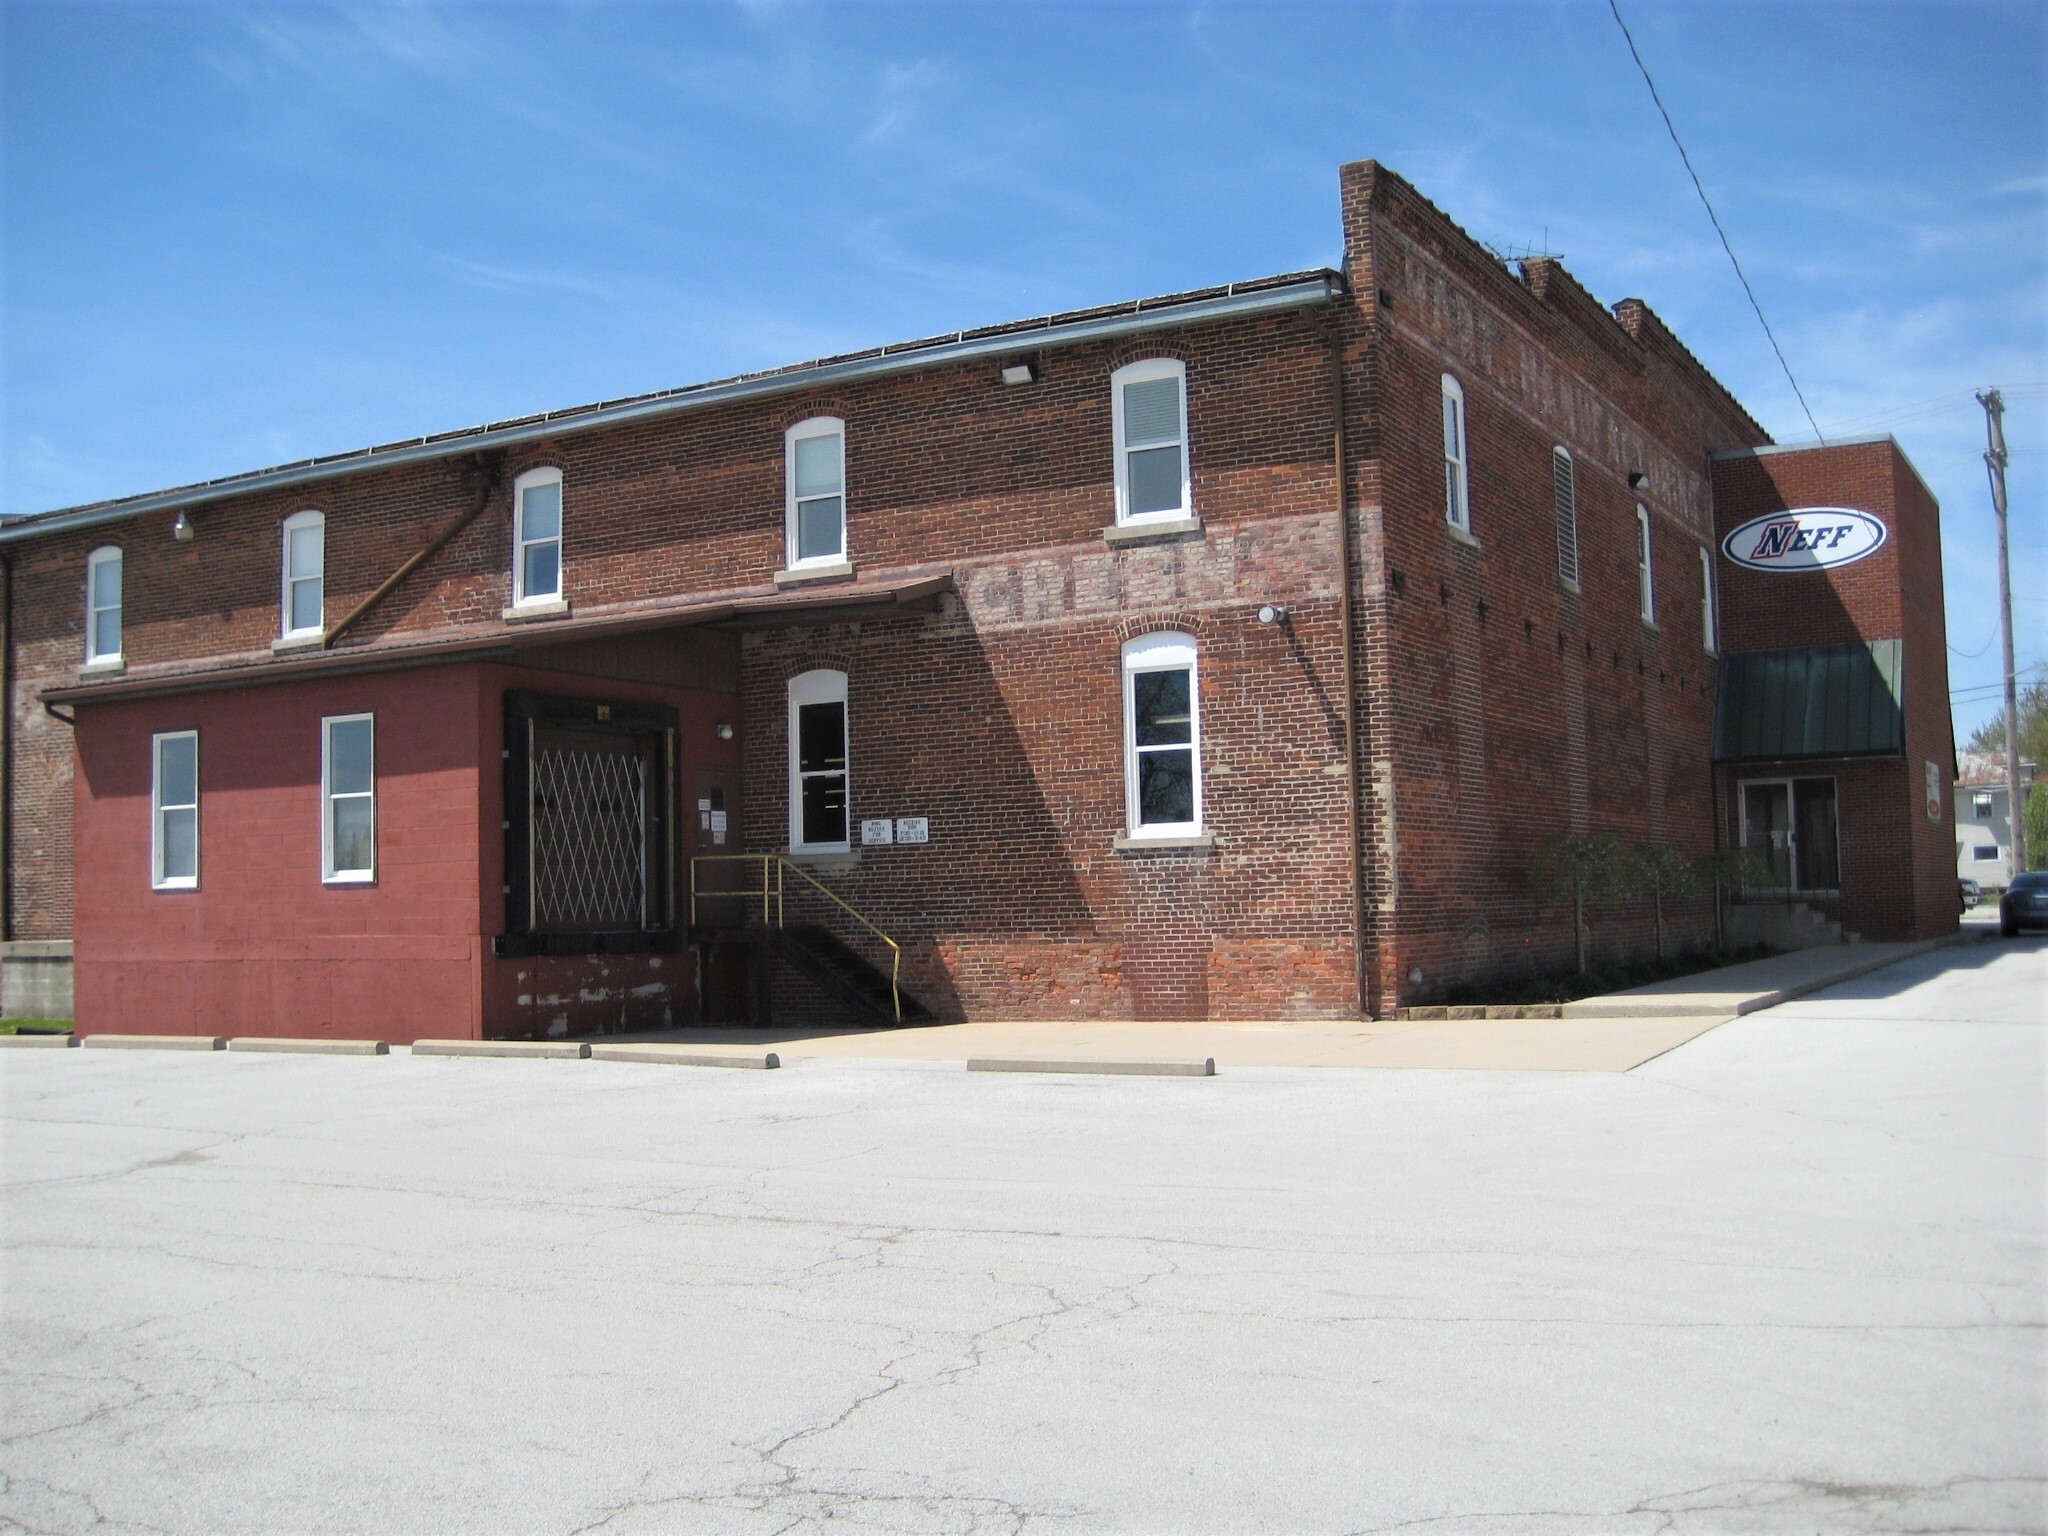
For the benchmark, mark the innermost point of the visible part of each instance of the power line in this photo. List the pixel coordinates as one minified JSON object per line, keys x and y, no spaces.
{"x":1672,"y":129}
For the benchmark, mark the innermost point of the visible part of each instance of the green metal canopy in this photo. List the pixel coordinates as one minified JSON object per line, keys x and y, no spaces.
{"x":1819,"y":701}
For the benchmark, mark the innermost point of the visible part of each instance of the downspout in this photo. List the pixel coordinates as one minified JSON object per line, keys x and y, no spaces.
{"x":1347,"y":621}
{"x":6,"y":748}
{"x":419,"y":558}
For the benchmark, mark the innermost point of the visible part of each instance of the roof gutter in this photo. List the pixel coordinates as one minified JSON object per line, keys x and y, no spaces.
{"x":882,"y":364}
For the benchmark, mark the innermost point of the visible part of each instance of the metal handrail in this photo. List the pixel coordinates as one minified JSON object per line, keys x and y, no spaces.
{"x":773,"y":908}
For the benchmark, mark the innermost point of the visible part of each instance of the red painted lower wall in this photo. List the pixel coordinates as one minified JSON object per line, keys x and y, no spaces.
{"x":264,"y":947}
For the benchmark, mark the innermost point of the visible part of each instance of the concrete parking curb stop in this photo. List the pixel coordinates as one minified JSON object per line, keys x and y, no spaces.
{"x":285,"y":1046}
{"x":563,"y":1050}
{"x":672,"y":1056}
{"x":159,"y":1042}
{"x":42,"y":1041}
{"x":1203,"y":1068}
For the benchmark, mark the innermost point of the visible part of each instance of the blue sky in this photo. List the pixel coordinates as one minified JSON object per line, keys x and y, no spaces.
{"x":236,"y":235}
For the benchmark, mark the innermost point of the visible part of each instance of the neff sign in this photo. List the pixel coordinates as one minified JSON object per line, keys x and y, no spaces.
{"x":1805,"y":539}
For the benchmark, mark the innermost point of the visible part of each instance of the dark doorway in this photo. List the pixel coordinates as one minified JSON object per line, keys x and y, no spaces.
{"x":720,"y":883}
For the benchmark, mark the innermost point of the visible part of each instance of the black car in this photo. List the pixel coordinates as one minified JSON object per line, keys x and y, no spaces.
{"x":1969,"y":890}
{"x":2024,"y":904}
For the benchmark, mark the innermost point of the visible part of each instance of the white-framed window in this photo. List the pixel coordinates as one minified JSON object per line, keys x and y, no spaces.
{"x":818,"y":763}
{"x":1457,"y":490}
{"x":1162,"y":737}
{"x":348,"y":799}
{"x":1149,"y":408}
{"x":1564,"y":492}
{"x":1710,"y":618}
{"x":1649,"y":591}
{"x":174,"y":810}
{"x":103,"y":606}
{"x":537,"y":537}
{"x":304,"y":596}
{"x":1984,"y":853}
{"x":814,"y":474}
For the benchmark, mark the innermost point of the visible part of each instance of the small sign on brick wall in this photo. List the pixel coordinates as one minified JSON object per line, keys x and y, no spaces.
{"x":913,"y":829}
{"x":877,"y":831}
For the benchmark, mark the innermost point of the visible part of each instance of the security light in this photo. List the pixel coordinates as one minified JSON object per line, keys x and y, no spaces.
{"x":1638,"y":480}
{"x":724,"y":731}
{"x":181,"y":530}
{"x":1020,"y":373}
{"x":1272,"y":613}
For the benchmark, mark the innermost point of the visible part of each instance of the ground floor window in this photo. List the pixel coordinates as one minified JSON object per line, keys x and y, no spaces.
{"x":818,"y":763}
{"x":589,"y":851}
{"x":1791,"y":827}
{"x":1162,"y":738}
{"x":174,"y":795}
{"x":348,"y":799}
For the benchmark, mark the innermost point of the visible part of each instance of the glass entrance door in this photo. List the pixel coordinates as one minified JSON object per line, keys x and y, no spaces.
{"x":1767,"y":828}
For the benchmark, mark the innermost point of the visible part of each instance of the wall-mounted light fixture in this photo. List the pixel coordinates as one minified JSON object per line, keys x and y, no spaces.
{"x":1638,"y":480}
{"x":1272,"y":613}
{"x":1020,"y":373}
{"x":181,"y":530}
{"x":724,"y":731}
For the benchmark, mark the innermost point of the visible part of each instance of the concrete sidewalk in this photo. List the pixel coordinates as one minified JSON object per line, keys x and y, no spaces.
{"x":1738,"y":989}
{"x":1607,"y":1034}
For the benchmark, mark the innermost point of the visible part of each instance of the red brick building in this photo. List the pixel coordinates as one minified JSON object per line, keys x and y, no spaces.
{"x":1223,"y":655}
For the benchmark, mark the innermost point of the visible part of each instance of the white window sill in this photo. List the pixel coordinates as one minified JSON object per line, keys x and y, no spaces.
{"x":369,"y":878}
{"x":175,"y":885}
{"x":309,"y":641}
{"x":544,"y":608}
{"x":825,"y":858}
{"x":1462,"y":536}
{"x":1143,"y":531}
{"x":111,"y":666}
{"x":1651,"y":626}
{"x":1571,"y":586}
{"x":1181,"y":841}
{"x":801,"y":575}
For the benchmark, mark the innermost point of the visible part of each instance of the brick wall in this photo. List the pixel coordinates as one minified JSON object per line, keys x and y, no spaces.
{"x":1503,"y":707}
{"x":1492,"y":707}
{"x":1906,"y":885}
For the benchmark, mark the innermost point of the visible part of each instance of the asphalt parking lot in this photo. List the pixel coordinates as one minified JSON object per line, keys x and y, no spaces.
{"x":1787,"y":1278}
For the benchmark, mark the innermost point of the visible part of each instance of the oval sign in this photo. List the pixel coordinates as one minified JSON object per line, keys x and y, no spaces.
{"x":1805,"y":539}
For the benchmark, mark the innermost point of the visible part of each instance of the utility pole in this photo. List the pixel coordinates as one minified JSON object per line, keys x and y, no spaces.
{"x":1994,"y":461}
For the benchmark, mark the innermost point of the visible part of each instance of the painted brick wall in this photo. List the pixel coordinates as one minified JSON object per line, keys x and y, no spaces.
{"x":263,"y":947}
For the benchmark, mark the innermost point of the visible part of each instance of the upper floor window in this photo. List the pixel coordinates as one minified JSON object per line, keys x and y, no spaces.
{"x":305,"y":573}
{"x":1564,"y":492}
{"x":103,"y":606}
{"x":1149,"y":403}
{"x":818,"y":763}
{"x":1710,"y":622}
{"x":1649,"y":593}
{"x":814,"y":469}
{"x":1162,"y":737}
{"x":537,"y":537}
{"x":174,"y":804}
{"x":1457,"y":493}
{"x":348,"y":798}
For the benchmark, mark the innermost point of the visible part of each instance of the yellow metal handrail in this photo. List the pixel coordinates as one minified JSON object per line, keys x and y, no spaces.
{"x":771,"y":893}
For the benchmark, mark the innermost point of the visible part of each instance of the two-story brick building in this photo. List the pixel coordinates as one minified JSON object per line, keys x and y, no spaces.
{"x":1222,"y":655}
